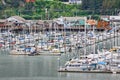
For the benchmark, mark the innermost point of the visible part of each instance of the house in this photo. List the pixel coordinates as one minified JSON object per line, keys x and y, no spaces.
{"x":75,"y":1}
{"x":70,"y":23}
{"x":115,"y":20}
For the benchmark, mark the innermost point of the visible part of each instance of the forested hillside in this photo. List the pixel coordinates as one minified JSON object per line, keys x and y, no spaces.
{"x":103,"y":7}
{"x":49,"y":9}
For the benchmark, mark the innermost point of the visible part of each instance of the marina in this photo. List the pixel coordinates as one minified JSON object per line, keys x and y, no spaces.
{"x":53,"y":52}
{"x":59,"y":39}
{"x":41,"y":67}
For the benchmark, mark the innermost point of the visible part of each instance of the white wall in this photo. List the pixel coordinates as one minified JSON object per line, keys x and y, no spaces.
{"x":75,"y":1}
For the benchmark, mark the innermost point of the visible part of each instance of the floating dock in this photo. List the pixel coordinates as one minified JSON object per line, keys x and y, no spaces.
{"x":89,"y":71}
{"x":50,"y":54}
{"x":40,"y":54}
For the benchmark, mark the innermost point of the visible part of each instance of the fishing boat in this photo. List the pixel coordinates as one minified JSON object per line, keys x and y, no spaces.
{"x":21,"y":50}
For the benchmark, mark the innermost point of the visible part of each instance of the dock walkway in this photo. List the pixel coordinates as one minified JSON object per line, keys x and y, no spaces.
{"x":89,"y":71}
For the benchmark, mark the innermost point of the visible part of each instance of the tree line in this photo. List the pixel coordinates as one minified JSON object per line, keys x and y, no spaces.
{"x":44,"y":9}
{"x":103,"y":7}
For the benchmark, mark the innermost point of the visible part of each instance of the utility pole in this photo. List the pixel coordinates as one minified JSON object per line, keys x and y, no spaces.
{"x":46,"y":13}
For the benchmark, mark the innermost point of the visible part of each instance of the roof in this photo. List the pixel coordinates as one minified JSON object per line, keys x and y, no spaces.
{"x":16,"y":18}
{"x":2,"y":20}
{"x":82,"y":22}
{"x":105,"y":19}
{"x":74,"y":18}
{"x":40,"y":22}
{"x":91,"y":22}
{"x":113,"y":18}
{"x":71,"y":18}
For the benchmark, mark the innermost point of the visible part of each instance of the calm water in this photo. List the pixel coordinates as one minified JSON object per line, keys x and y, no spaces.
{"x":43,"y":68}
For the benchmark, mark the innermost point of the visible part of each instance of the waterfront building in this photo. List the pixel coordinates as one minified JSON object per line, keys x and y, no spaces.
{"x":70,"y":23}
{"x":62,"y":23}
{"x":115,"y":20}
{"x":19,"y":23}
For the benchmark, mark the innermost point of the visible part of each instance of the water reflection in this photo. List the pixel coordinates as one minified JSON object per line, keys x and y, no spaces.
{"x":41,"y":68}
{"x":25,"y":66}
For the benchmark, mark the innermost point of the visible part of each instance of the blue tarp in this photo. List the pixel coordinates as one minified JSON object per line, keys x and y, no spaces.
{"x":103,"y":63}
{"x":28,"y":49}
{"x":21,"y":38}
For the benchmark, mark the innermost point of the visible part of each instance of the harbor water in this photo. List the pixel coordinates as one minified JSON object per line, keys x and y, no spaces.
{"x":42,"y":68}
{"x":14,"y":67}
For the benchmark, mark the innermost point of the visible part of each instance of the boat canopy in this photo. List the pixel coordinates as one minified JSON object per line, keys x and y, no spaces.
{"x":102,"y":63}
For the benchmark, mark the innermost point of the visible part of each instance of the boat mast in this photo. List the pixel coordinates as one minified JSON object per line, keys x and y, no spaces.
{"x":85,"y":27}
